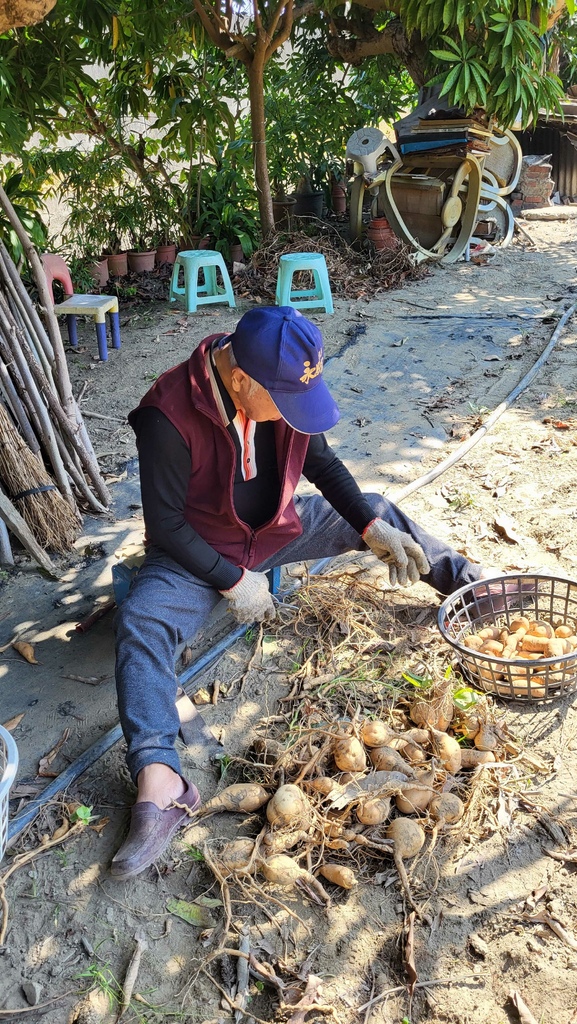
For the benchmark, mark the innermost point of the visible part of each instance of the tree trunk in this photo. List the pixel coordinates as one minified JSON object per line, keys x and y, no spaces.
{"x":255,"y":72}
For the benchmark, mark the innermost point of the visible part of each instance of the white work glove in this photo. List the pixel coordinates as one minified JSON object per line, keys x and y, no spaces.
{"x":406,"y":559}
{"x":250,"y":599}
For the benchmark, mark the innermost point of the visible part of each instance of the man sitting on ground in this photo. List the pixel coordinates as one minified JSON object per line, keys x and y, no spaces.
{"x":223,"y":439}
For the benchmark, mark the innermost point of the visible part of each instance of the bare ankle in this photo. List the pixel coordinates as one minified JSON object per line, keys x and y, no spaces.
{"x":159,"y":784}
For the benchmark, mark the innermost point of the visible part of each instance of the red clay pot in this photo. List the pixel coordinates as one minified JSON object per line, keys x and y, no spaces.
{"x":166,"y":253}
{"x":381,"y":234}
{"x":339,"y":199}
{"x":100,"y":272}
{"x":140,"y":262}
{"x":117,"y":263}
{"x":236,"y":254}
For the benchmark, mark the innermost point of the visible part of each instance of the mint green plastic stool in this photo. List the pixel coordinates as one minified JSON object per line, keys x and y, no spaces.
{"x":318,"y":297}
{"x":192,"y":262}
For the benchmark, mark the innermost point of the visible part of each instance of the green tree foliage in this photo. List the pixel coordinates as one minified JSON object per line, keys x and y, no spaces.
{"x":158,"y":92}
{"x":493,"y":54}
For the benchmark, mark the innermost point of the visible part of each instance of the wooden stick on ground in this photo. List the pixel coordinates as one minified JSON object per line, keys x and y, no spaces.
{"x":16,"y":524}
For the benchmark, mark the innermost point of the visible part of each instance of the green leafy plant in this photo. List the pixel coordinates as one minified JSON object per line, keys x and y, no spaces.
{"x":102,"y":979}
{"x":228,"y":214}
{"x":83,"y":814}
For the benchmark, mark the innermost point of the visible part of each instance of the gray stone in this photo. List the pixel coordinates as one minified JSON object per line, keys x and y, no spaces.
{"x":32,"y":992}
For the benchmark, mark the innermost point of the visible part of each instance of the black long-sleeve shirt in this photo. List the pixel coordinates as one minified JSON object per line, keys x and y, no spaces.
{"x":165,"y":465}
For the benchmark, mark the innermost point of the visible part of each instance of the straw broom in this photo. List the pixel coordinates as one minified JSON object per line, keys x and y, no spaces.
{"x":50,"y":518}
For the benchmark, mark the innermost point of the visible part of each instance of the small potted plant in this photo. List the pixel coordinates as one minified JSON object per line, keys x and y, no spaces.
{"x":309,"y":195}
{"x":141,"y":255}
{"x":165,"y":228}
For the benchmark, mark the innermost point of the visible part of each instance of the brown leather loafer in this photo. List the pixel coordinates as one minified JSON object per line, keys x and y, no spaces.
{"x":151,"y":830}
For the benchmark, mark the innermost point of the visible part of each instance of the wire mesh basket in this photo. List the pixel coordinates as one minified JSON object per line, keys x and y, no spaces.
{"x":8,"y":767}
{"x":499,"y":602}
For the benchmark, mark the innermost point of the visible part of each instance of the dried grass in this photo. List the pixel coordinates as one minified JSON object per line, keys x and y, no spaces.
{"x":353,"y":273}
{"x":51,"y":519}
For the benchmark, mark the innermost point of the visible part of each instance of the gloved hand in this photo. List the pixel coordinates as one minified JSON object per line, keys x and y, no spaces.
{"x":406,"y":558}
{"x":250,"y":599}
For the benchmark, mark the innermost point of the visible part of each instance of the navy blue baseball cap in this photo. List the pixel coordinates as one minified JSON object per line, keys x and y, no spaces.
{"x":283,"y":351}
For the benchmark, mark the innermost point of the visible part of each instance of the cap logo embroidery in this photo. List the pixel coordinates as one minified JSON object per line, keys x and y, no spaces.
{"x":312,"y":371}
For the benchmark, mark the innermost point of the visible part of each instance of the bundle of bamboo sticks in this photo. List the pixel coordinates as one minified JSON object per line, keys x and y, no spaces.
{"x":36,"y":393}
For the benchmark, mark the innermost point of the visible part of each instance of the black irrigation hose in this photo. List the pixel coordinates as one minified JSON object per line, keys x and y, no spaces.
{"x":479,"y":434}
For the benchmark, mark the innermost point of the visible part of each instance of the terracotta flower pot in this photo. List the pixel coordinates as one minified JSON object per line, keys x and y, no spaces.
{"x":100,"y":272}
{"x":381,"y":234}
{"x":166,"y":253}
{"x":282,"y":211}
{"x":140,"y":262}
{"x":117,"y":263}
{"x":236,"y":254}
{"x":339,"y":199}
{"x":195,"y":242}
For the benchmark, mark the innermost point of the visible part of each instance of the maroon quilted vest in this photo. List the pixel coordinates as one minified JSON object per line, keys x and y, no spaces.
{"x":184,"y":395}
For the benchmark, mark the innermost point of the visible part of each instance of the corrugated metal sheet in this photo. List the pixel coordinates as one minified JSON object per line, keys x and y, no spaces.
{"x":552,"y":139}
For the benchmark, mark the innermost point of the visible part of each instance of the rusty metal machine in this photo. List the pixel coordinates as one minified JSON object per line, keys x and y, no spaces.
{"x":434,"y":200}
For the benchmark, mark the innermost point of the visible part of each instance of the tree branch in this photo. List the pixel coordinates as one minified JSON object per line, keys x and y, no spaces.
{"x":214,"y":25}
{"x":284,"y":28}
{"x":353,"y":50}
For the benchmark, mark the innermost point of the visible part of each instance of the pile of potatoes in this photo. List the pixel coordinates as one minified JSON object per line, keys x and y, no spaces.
{"x":374,"y":789}
{"x":524,"y":641}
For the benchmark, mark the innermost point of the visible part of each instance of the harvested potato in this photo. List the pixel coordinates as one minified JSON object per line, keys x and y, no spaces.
{"x":538,"y":627}
{"x":339,"y":874}
{"x":493,"y":647}
{"x":473,"y":641}
{"x":564,"y":631}
{"x":374,"y":811}
{"x":289,"y":806}
{"x":418,"y":796}
{"x":242,"y":796}
{"x":349,"y":754}
{"x":375,"y":733}
{"x":471,"y":758}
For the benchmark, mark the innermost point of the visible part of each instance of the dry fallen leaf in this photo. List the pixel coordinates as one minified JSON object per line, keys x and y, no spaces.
{"x":505,"y":526}
{"x":556,"y":927}
{"x":525,"y":1015}
{"x":11,"y":724}
{"x":26,"y":650}
{"x":48,"y":758}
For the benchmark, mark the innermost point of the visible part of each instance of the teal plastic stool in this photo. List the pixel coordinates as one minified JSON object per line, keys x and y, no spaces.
{"x":318,"y":297}
{"x":192,"y":262}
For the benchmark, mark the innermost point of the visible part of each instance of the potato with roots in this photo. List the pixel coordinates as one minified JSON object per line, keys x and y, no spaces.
{"x":389,"y":760}
{"x":471,"y":758}
{"x":375,"y":733}
{"x":408,"y":838}
{"x":339,"y":874}
{"x":417,"y":797}
{"x":445,"y":809}
{"x":285,"y":871}
{"x":374,"y":810}
{"x":235,"y":857}
{"x":241,"y":797}
{"x":288,"y":808}
{"x":447,"y":749}
{"x":349,"y":754}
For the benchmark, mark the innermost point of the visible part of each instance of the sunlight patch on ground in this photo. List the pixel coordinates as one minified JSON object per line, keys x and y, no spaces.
{"x":41,"y":951}
{"x":90,"y":875}
{"x":175,"y":965}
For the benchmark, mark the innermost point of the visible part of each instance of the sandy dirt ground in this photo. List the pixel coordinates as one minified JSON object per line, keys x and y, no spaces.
{"x":415,"y":372}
